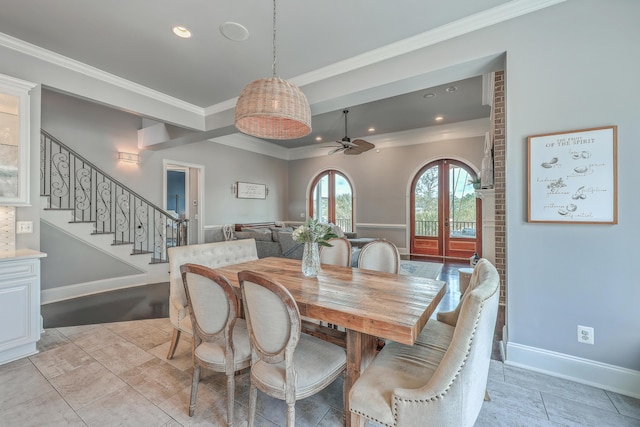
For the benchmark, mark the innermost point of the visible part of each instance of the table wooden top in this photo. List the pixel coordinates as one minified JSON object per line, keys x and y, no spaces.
{"x":390,"y":306}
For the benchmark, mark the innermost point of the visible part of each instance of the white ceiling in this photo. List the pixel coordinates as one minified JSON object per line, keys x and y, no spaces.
{"x":132,"y":39}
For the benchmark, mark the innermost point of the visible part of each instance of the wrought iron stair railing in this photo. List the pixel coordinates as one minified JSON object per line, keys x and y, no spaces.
{"x":73,"y":183}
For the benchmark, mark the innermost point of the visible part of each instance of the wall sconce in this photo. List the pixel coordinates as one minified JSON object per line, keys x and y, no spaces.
{"x":129,"y":157}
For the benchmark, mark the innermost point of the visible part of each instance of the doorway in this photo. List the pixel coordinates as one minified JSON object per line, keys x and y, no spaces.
{"x":183,"y":195}
{"x":445,"y":212}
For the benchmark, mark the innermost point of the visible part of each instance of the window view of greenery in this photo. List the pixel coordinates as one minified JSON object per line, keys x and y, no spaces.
{"x":462,"y":203}
{"x":343,"y":209}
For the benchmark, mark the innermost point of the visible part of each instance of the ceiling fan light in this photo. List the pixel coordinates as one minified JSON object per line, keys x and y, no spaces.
{"x":273,"y":108}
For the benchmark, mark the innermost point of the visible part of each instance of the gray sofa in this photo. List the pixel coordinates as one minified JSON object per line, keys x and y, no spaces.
{"x":273,"y":241}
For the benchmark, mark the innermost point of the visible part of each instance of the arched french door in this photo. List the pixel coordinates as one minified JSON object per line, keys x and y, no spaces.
{"x":331,"y":199}
{"x":445,"y":214}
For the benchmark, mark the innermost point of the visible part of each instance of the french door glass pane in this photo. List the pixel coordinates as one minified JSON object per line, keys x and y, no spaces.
{"x":462,"y":204}
{"x":321,"y":199}
{"x":426,"y":203}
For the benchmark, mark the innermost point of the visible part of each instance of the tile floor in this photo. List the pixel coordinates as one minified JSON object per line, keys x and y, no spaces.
{"x":116,"y":374}
{"x":108,"y":374}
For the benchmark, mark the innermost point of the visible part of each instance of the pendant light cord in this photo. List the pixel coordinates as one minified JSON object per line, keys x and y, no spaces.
{"x":273,"y":67}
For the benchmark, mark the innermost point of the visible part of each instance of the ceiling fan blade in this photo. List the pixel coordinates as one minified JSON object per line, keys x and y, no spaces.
{"x":335,"y":150}
{"x":360,"y":147}
{"x":346,"y":143}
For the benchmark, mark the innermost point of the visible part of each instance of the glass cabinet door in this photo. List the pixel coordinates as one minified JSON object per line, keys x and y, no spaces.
{"x":14,"y":141}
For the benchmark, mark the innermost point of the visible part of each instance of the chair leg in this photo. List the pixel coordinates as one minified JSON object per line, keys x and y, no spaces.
{"x":291,"y":414}
{"x":487,"y":398}
{"x":253,"y":397}
{"x":194,"y":389}
{"x":174,"y":343}
{"x":231,"y":391}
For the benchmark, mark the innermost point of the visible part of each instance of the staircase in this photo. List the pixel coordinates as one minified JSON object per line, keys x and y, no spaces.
{"x":80,"y":199}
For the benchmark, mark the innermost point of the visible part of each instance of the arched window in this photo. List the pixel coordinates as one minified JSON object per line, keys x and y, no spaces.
{"x":331,"y":199}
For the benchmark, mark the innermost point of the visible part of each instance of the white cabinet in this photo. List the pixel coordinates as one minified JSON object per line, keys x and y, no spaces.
{"x":19,"y":303}
{"x":14,"y":141}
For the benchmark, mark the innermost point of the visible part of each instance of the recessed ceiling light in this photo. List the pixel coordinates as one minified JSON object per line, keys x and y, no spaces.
{"x":182,"y":32}
{"x":234,"y":31}
{"x":451,"y":89}
{"x":439,"y":118}
{"x":429,"y":95}
{"x":372,"y":129}
{"x":318,"y":138}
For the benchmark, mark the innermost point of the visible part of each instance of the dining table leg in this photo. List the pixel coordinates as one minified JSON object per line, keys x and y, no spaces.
{"x":361,"y":349}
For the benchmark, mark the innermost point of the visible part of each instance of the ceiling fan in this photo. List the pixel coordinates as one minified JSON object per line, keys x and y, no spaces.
{"x":357,"y":146}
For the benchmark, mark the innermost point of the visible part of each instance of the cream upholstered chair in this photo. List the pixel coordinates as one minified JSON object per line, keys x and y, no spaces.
{"x":286,"y":364}
{"x":337,"y":254}
{"x":216,"y":254}
{"x":221,"y":339}
{"x":380,"y":255}
{"x":435,"y":382}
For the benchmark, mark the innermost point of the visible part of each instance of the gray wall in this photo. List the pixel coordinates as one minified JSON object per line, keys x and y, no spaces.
{"x":98,"y":133}
{"x":570,"y":67}
{"x":70,"y":261}
{"x":381,"y":182}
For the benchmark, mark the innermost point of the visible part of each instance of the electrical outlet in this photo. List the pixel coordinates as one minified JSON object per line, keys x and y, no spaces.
{"x":23,"y":227}
{"x":301,"y":214}
{"x":585,"y":334}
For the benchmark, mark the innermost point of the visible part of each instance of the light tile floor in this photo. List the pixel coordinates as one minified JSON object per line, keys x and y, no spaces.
{"x":116,"y":374}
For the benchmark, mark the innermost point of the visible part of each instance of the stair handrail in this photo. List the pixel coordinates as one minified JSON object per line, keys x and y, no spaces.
{"x":84,"y":160}
{"x":93,"y":212}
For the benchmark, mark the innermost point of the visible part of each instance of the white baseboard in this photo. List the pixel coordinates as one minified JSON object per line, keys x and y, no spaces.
{"x":62,"y":293}
{"x":609,"y":377}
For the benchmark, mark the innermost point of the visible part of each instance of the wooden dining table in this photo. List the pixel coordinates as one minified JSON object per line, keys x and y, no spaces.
{"x":368,"y":304}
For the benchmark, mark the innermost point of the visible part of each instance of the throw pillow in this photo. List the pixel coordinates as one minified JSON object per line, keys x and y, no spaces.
{"x":336,"y":230}
{"x":290,"y":248}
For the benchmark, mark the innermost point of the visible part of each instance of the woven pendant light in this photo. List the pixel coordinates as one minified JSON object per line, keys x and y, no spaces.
{"x":273,"y":108}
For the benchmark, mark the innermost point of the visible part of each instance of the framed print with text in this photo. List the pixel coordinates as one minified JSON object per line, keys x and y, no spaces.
{"x":249,"y":190}
{"x":572,"y":176}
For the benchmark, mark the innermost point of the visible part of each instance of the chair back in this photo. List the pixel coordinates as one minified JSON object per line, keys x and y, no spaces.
{"x":380,"y":255}
{"x":215,"y":254}
{"x":212,"y":302}
{"x":337,"y":254}
{"x":460,"y":380}
{"x":272,"y":315}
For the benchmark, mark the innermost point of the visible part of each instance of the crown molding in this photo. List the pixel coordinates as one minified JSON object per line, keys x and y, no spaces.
{"x":79,"y":67}
{"x":495,"y":15}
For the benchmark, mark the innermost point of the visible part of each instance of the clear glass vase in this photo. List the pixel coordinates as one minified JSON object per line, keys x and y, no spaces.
{"x":311,"y":259}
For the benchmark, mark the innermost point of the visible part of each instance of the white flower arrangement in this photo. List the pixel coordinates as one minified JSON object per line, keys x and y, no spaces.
{"x":313,"y":231}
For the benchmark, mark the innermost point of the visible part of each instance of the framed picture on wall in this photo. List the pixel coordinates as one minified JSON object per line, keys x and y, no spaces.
{"x":249,"y":190}
{"x":572,"y":176}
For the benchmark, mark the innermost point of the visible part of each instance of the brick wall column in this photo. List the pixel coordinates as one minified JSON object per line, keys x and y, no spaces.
{"x":499,"y":149}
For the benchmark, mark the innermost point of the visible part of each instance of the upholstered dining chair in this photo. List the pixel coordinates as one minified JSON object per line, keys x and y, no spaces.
{"x":380,"y":255}
{"x":441,"y":379}
{"x":286,"y":364}
{"x":339,"y":253}
{"x":214,"y":254}
{"x":221,"y":338}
